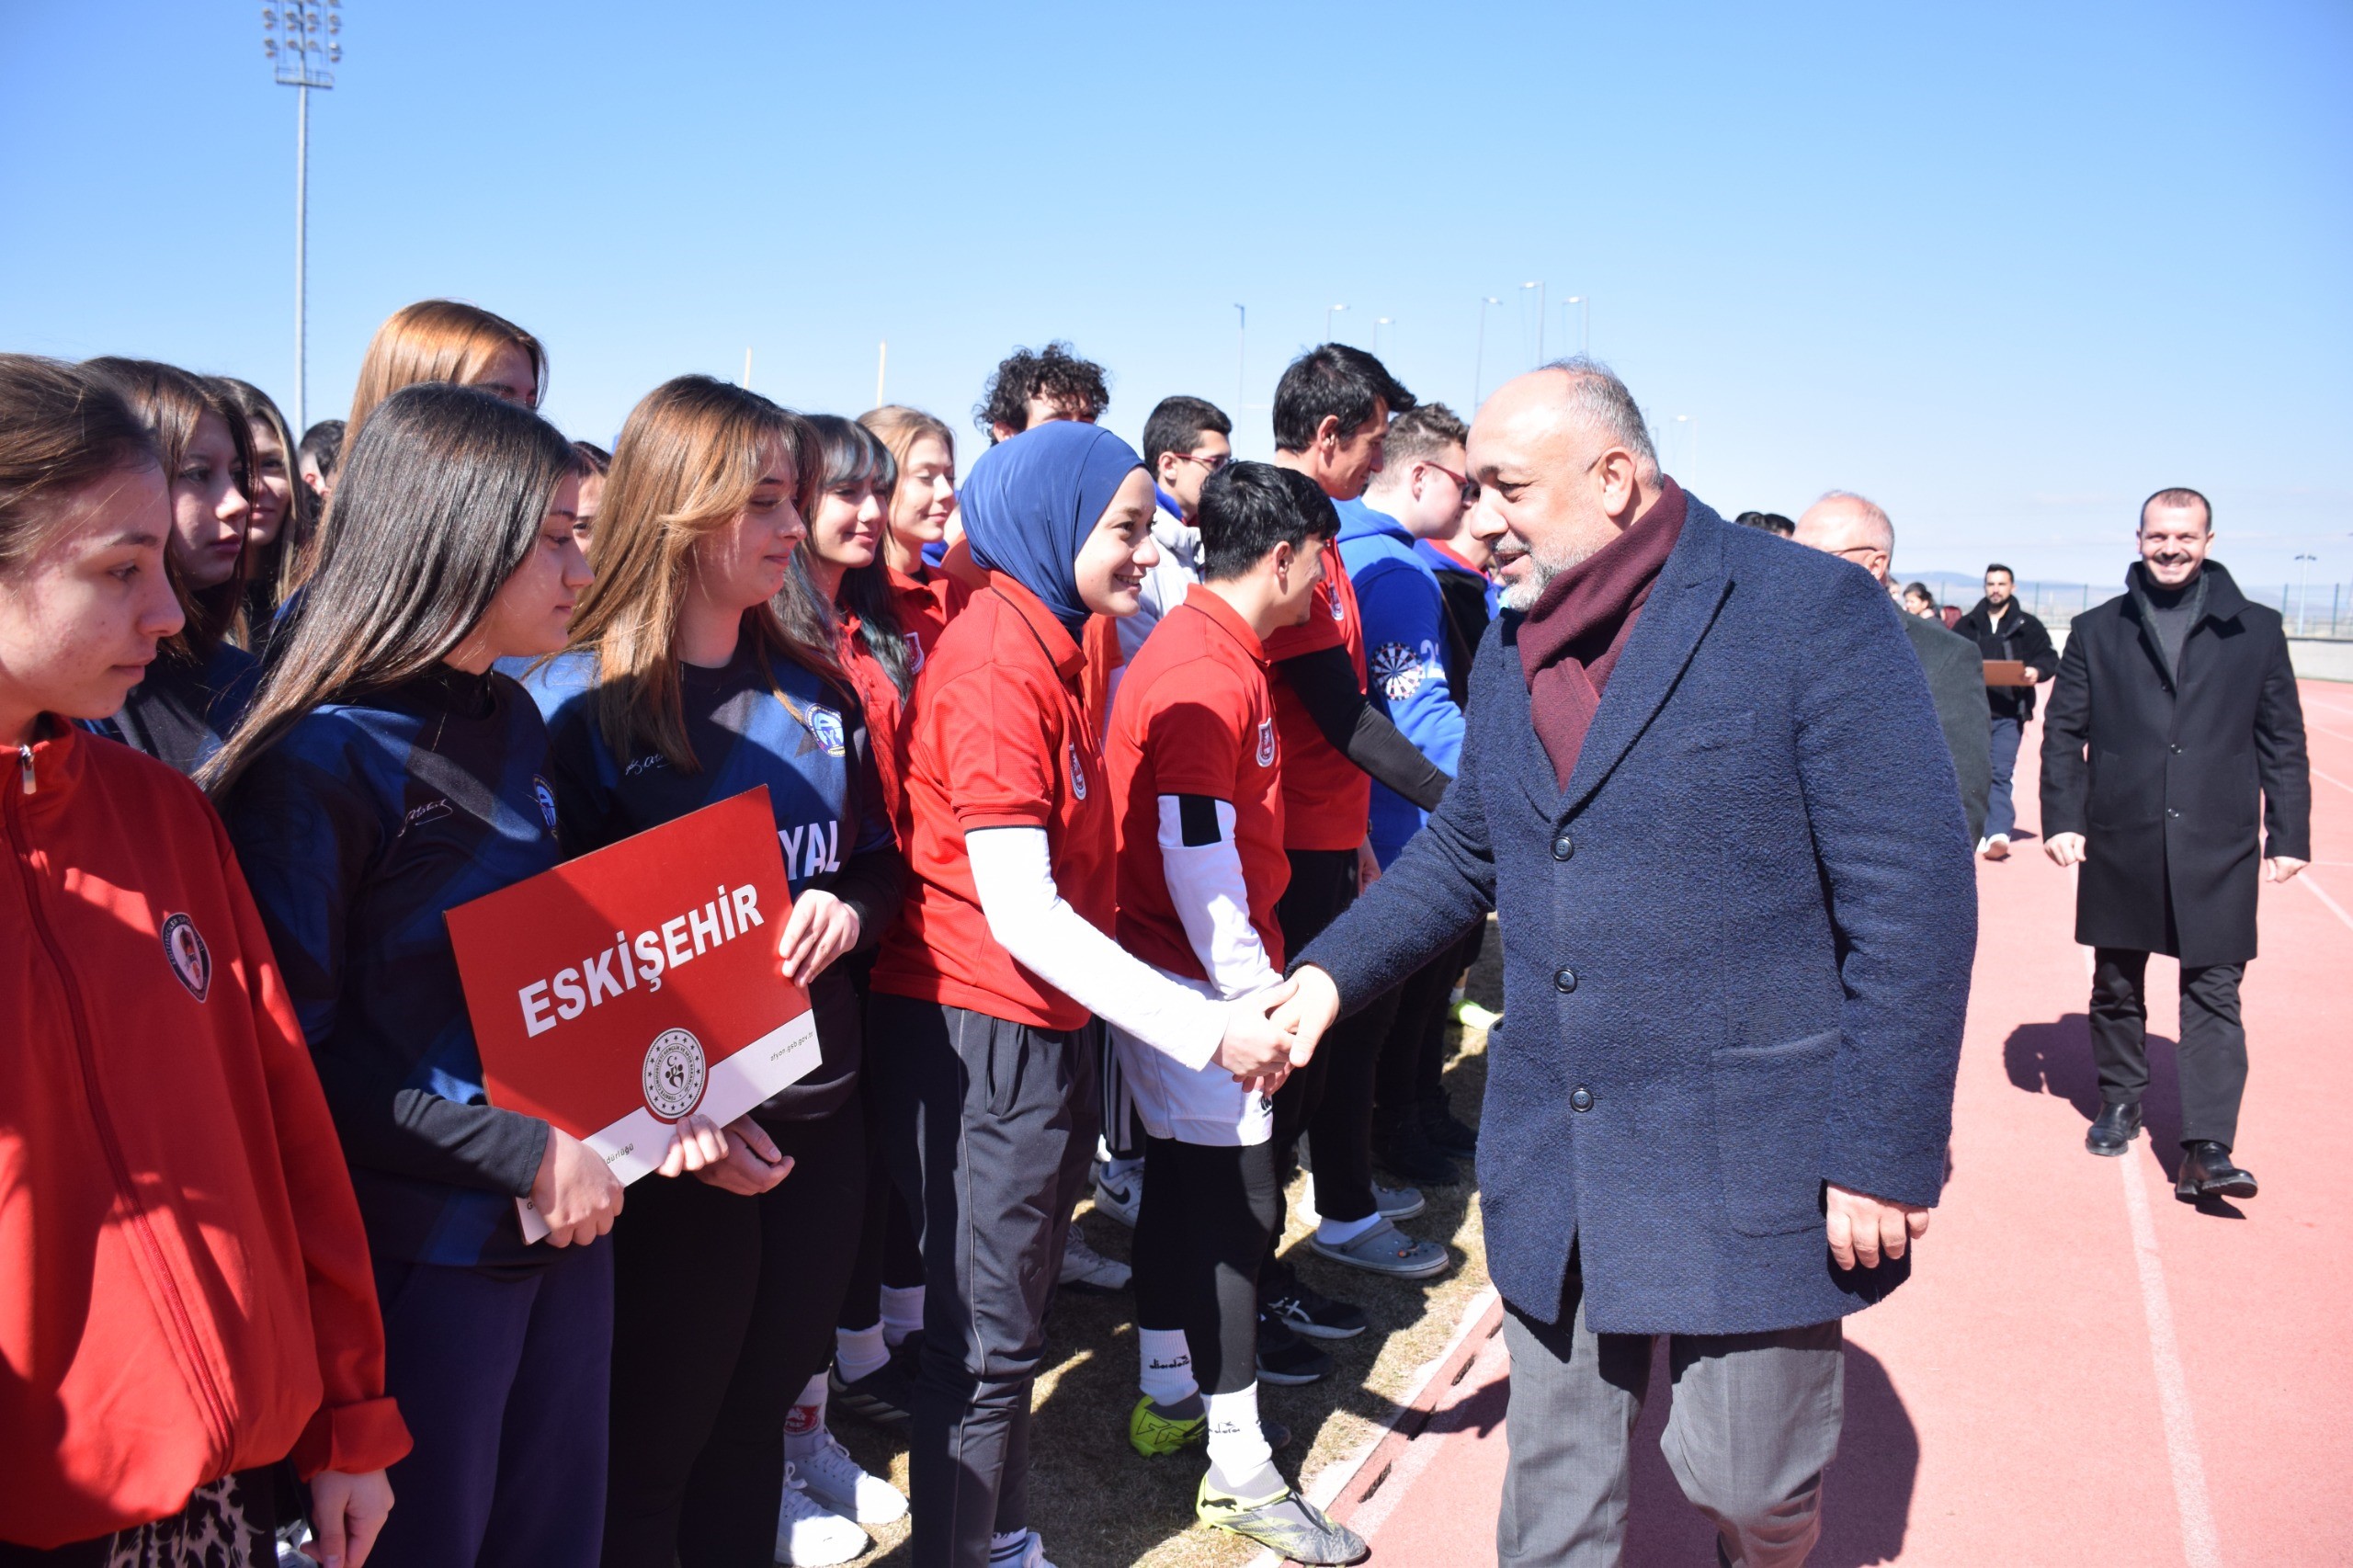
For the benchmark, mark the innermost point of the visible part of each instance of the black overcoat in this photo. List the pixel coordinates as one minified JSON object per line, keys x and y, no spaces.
{"x":2164,"y":782}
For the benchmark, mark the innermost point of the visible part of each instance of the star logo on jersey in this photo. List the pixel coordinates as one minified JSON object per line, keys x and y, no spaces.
{"x":1399,"y":670}
{"x":1077,"y":774}
{"x":190,"y":959}
{"x":826,"y":725}
{"x":1265,"y":743}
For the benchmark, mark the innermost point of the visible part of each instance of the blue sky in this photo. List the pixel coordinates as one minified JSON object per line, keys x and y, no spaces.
{"x":2005,"y":268}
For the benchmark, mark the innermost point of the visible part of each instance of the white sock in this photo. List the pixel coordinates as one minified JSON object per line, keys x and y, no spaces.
{"x":1119,"y":1170}
{"x":1008,"y":1546}
{"x":1167,"y":1375}
{"x":1340,"y":1232}
{"x":1238,"y":1450}
{"x":804,"y":1425}
{"x":860,"y":1351}
{"x":902,"y":1312}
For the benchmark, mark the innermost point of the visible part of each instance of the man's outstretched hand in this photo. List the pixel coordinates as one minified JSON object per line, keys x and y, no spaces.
{"x":1863,"y":1228}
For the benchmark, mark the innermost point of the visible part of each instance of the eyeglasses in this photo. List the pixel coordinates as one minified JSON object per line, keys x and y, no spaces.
{"x":1470,"y":486}
{"x":1211,"y":464}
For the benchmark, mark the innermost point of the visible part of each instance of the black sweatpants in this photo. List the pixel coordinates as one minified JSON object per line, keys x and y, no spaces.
{"x":2212,"y":1053}
{"x":991,"y":1126}
{"x":724,"y":1308}
{"x":1412,"y":1057}
{"x":1209,"y":1210}
{"x":887,"y":1253}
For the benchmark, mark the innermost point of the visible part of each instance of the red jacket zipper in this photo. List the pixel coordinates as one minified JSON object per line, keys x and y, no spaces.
{"x":216,"y":1408}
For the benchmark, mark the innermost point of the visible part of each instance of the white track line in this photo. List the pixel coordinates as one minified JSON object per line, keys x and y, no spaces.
{"x":2325,"y":730}
{"x":2321,"y":894}
{"x":1367,"y":1521}
{"x":2201,"y":1548}
{"x":2327,"y":778}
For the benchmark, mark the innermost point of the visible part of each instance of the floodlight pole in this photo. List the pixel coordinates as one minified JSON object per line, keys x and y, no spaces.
{"x":302,"y":43}
{"x":1241,"y":354}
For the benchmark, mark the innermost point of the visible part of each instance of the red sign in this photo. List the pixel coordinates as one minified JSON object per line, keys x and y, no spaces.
{"x":639,"y":983}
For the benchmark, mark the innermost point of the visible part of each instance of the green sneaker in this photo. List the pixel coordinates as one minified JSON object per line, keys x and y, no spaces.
{"x":1284,"y":1522}
{"x":1152,"y":1434}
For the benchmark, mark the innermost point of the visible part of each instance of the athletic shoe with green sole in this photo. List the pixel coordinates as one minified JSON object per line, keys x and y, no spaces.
{"x":1284,"y":1522}
{"x":1152,"y":1434}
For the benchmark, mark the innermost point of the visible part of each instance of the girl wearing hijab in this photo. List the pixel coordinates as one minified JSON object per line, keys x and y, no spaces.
{"x":684,"y":686}
{"x":990,"y":987}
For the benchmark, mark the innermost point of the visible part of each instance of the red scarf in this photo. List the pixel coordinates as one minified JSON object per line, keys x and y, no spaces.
{"x":1570,"y":639}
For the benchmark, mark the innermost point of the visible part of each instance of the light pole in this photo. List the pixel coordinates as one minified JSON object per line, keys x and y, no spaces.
{"x":1241,"y":356}
{"x":1378,"y":323}
{"x":1539,"y":287}
{"x":301,"y":43}
{"x":1584,"y":339}
{"x":1479,"y":370}
{"x":1328,"y":314}
{"x":2303,"y":576}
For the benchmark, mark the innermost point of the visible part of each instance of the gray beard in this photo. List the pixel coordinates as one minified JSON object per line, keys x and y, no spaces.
{"x":1522,"y":595}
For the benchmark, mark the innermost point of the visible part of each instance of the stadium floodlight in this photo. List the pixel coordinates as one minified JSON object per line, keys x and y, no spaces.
{"x":1539,"y":287}
{"x":1328,"y":314}
{"x":1479,"y":373}
{"x":302,"y":43}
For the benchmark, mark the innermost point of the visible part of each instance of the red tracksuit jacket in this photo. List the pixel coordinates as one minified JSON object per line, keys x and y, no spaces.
{"x":183,"y":1284}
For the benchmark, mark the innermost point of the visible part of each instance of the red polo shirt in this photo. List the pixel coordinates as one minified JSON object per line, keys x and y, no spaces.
{"x":1195,"y":716}
{"x":879,"y":695}
{"x":1327,"y":800}
{"x":997,"y":737}
{"x":926,"y":605}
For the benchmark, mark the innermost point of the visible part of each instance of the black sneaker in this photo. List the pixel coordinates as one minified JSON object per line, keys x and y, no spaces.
{"x":1313,"y":1313}
{"x":1447,"y":1133}
{"x":1284,"y":1359}
{"x":883,"y":1396}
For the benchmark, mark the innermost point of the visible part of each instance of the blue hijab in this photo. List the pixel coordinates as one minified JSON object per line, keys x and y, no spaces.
{"x":1030,"y":503}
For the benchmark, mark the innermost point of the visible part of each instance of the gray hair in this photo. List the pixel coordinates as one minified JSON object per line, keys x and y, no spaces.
{"x":1874,"y":513}
{"x":1600,"y":399}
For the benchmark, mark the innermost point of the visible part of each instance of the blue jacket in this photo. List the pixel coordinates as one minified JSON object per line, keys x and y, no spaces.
{"x":357,"y":830}
{"x":753,"y":720}
{"x":1737,"y":947}
{"x":1404,"y":651}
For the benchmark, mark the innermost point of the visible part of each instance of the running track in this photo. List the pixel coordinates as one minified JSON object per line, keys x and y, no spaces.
{"x":2082,"y":1369}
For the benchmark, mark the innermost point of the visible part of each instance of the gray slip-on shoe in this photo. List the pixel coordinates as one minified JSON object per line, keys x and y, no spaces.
{"x":1386,"y":1249}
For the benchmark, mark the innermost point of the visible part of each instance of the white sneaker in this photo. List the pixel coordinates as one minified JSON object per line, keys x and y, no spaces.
{"x":807,"y":1535}
{"x":1119,"y":1198}
{"x":832,"y":1478}
{"x":1084,"y":1268}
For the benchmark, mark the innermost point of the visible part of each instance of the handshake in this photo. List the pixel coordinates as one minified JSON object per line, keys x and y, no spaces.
{"x":1269,"y":1032}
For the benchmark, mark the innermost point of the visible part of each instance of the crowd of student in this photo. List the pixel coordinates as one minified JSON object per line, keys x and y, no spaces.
{"x":1066,"y":757}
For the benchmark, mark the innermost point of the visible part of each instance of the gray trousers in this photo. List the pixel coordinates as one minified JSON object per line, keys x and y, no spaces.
{"x":991,"y":1125}
{"x":1754,"y":1421}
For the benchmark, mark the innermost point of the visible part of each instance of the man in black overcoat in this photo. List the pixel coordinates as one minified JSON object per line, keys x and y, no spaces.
{"x":2176,"y":707}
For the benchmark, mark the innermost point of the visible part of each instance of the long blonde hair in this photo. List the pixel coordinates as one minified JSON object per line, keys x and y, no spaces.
{"x":435,"y":340}
{"x":686,"y":465}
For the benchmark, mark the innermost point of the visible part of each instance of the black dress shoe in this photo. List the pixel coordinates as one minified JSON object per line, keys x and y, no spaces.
{"x":2206,"y":1172}
{"x":2114,"y":1131}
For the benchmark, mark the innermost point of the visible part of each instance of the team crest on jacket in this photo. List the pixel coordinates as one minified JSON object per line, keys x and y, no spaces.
{"x":1339,"y":611}
{"x":673,"y":1075}
{"x":1077,"y":774}
{"x":190,"y":958}
{"x":1398,"y":670}
{"x":826,"y":725}
{"x":914,"y":652}
{"x":1265,"y":743}
{"x":546,"y":797}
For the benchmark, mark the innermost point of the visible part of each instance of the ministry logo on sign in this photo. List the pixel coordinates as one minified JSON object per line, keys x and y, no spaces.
{"x":674,"y":1075}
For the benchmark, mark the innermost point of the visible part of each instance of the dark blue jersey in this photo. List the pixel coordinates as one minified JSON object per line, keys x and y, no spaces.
{"x":357,"y":830}
{"x":755,"y":720}
{"x":184,"y":710}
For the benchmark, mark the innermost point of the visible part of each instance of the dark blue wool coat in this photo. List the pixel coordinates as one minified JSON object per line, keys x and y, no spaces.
{"x":1737,"y":948}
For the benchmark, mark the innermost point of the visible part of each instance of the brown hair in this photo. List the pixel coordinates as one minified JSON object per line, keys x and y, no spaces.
{"x":286,"y":559}
{"x":60,"y":429}
{"x":901,"y":428}
{"x":435,"y":340}
{"x":171,"y":403}
{"x":1423,"y":432}
{"x":686,"y":464}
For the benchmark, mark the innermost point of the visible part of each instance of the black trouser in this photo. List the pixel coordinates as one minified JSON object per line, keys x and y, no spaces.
{"x":1208,"y":1212}
{"x":1412,"y":1057}
{"x":2211,"y":1055}
{"x":724,"y":1308}
{"x":887,"y":1253}
{"x":991,"y":1126}
{"x":228,"y":1520}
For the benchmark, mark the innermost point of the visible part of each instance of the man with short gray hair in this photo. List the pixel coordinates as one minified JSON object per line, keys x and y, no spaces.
{"x":1857,"y":528}
{"x":1733,"y":983}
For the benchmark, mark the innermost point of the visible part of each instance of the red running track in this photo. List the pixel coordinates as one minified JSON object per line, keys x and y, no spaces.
{"x":2082,"y":1369}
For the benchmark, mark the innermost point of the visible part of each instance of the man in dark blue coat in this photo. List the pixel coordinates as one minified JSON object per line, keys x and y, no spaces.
{"x":1738,"y":912}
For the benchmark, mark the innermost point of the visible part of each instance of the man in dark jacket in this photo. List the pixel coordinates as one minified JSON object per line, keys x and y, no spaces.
{"x":2002,"y":630}
{"x":2176,"y":707}
{"x":1738,"y":915}
{"x":1856,"y":529}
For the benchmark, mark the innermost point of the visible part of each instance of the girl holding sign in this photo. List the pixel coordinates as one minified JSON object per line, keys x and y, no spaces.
{"x":990,"y":986}
{"x":384,"y":776}
{"x":682,"y":686}
{"x":187,"y":1298}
